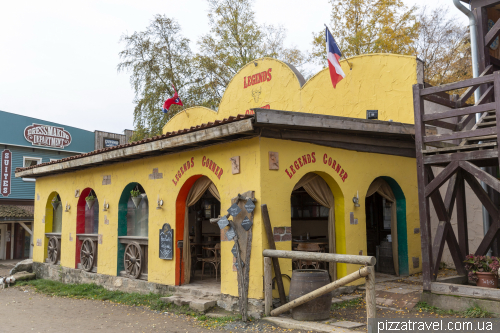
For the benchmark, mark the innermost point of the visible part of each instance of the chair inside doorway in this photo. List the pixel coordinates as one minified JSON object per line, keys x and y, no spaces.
{"x":205,"y":238}
{"x":309,"y":227}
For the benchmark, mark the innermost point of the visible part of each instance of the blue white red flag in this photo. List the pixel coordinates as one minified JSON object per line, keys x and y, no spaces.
{"x":333,"y":56}
{"x":172,"y":100}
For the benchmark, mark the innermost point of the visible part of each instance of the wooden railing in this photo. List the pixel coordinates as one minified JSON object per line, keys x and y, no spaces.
{"x":368,"y":272}
{"x":478,"y":141}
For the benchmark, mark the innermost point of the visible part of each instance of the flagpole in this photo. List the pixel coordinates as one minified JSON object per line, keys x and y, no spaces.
{"x":350,"y":66}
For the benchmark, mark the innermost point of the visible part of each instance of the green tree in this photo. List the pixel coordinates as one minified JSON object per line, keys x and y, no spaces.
{"x":234,"y":40}
{"x":369,"y":26}
{"x":443,"y":46}
{"x":156,"y":58}
{"x":160,"y":55}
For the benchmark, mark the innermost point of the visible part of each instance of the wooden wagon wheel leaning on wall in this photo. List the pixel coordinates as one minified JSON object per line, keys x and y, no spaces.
{"x":53,"y":250}
{"x":133,"y":260}
{"x":87,"y":255}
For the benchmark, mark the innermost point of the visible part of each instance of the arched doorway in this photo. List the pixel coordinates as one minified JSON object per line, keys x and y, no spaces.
{"x":87,"y":230}
{"x":133,"y":230}
{"x":386,"y":236}
{"x":197,"y":202}
{"x":313,"y":220}
{"x":53,"y":228}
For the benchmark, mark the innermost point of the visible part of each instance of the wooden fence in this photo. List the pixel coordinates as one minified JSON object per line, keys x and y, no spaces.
{"x":368,"y":272}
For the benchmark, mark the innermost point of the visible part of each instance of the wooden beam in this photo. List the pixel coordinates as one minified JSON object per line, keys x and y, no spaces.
{"x":443,"y":176}
{"x":461,"y":135}
{"x":487,"y":240}
{"x":328,"y":257}
{"x":423,"y":201}
{"x":457,"y":255}
{"x":111,"y":156}
{"x":449,"y":199}
{"x":270,"y":239}
{"x":492,"y":34}
{"x":496,"y":85}
{"x":460,"y":112}
{"x":465,"y":156}
{"x":463,"y":233}
{"x":441,"y":100}
{"x":268,"y":286}
{"x":482,"y":195}
{"x":443,"y":124}
{"x":457,"y":85}
{"x":438,"y":246}
{"x":482,"y":175}
{"x":266,"y":117}
{"x":405,"y":152}
{"x":468,"y":93}
{"x":26,"y":228}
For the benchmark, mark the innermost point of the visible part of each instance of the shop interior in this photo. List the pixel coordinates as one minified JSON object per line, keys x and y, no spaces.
{"x":205,"y":238}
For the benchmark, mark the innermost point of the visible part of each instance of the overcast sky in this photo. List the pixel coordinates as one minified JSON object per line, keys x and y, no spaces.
{"x":58,"y":58}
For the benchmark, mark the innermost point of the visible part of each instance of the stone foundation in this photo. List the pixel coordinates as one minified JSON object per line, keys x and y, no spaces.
{"x":78,"y":276}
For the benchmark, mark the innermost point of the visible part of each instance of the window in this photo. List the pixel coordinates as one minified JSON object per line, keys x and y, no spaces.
{"x":30,"y":161}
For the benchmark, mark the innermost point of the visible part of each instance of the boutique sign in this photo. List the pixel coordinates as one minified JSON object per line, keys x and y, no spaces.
{"x":47,"y":136}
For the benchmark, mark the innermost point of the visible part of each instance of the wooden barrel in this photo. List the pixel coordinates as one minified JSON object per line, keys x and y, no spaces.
{"x":303,"y":282}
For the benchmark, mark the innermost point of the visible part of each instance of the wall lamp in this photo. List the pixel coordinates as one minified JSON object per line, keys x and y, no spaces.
{"x":159,"y":202}
{"x":68,"y":207}
{"x":105,"y":206}
{"x":356,"y":199}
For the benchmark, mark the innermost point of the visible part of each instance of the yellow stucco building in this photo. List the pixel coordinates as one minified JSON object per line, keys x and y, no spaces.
{"x":287,"y":131}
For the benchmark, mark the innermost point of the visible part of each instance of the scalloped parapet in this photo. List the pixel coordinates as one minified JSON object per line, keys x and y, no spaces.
{"x":380,"y":82}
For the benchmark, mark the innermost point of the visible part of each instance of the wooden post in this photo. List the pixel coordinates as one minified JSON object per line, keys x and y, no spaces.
{"x":371,"y":308}
{"x":422,"y":176}
{"x":270,"y":238}
{"x":321,"y":291}
{"x":268,"y":286}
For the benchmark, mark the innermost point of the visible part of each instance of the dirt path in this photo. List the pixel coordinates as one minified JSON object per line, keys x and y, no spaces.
{"x":27,"y":311}
{"x":24,"y":310}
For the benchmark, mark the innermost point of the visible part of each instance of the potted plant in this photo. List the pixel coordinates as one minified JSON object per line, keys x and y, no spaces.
{"x":136,"y":197}
{"x":90,"y":199}
{"x":483,"y":270}
{"x":56,"y":202}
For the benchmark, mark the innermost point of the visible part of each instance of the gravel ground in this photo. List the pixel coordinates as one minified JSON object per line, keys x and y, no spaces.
{"x":24,"y":310}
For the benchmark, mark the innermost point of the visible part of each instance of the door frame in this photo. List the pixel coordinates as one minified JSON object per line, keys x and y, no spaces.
{"x":3,"y":232}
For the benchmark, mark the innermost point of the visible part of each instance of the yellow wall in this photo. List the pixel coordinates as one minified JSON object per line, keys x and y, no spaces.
{"x":376,"y":82}
{"x":272,"y":187}
{"x":380,"y":81}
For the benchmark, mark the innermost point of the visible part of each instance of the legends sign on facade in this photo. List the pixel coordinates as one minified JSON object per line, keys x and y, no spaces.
{"x":47,"y":136}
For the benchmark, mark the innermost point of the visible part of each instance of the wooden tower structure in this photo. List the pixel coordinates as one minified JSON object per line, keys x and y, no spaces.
{"x":463,"y":150}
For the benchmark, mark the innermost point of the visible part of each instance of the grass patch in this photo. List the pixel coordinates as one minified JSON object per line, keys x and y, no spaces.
{"x":93,"y":291}
{"x":476,"y":312}
{"x":347,"y":304}
{"x":472,"y":312}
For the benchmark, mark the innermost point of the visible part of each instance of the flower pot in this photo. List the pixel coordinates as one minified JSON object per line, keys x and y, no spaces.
{"x":137,"y":201}
{"x":56,"y":204}
{"x":90,"y":203}
{"x":487,"y":279}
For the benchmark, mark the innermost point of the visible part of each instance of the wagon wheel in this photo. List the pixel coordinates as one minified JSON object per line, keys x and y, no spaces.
{"x":87,"y":254}
{"x":53,"y":250}
{"x":133,"y":260}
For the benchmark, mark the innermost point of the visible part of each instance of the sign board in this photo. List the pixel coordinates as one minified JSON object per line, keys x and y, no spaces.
{"x":166,"y":242}
{"x":223,"y":222}
{"x":111,"y":143}
{"x":230,"y":233}
{"x":47,"y":136}
{"x":6,"y":173}
{"x":234,"y":210}
{"x":234,"y":250}
{"x":250,"y":206}
{"x":246,"y":223}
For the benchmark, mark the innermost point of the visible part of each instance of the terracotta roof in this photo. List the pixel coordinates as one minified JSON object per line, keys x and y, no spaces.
{"x":8,"y":211}
{"x":155,"y":138}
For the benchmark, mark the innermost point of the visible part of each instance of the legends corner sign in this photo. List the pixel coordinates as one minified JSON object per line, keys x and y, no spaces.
{"x":47,"y":136}
{"x":6,"y":173}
